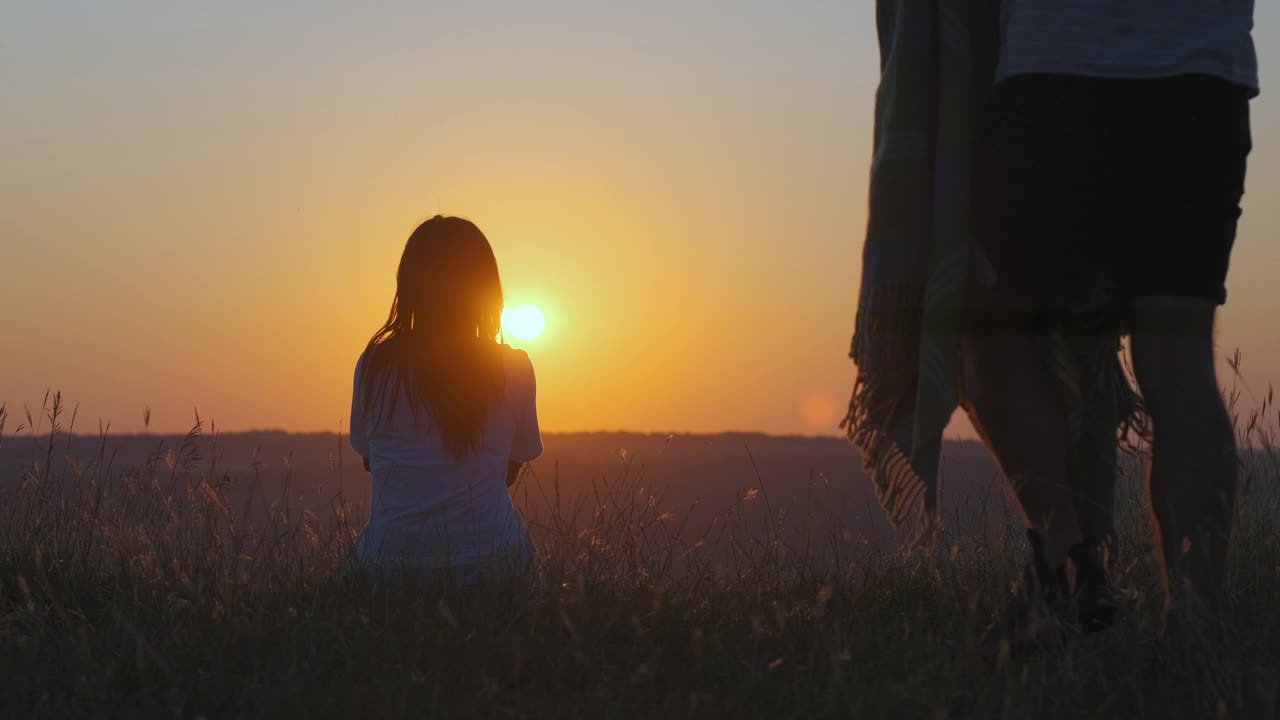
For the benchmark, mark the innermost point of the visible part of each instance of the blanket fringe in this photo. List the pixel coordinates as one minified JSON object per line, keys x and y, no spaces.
{"x":885,"y":346}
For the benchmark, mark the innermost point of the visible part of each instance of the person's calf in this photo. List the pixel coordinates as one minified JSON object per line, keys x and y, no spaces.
{"x":1192,"y":482}
{"x":1011,"y":401}
{"x":1194,"y":525}
{"x":1193,"y":472}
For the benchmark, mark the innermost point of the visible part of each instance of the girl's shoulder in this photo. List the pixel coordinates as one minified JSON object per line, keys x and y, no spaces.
{"x":374,"y":348}
{"x":519,"y":366}
{"x":369,"y":350}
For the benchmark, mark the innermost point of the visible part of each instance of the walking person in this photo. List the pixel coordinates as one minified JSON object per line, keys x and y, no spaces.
{"x":932,"y":335}
{"x":1110,"y":174}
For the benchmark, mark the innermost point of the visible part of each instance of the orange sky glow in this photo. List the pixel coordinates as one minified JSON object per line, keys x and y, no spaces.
{"x":203,"y":206}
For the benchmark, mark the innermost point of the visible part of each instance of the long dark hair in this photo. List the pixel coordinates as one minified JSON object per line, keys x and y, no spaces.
{"x":439,"y":342}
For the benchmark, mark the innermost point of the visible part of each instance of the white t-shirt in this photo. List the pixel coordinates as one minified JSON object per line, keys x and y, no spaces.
{"x":430,"y":509}
{"x":1129,"y":39}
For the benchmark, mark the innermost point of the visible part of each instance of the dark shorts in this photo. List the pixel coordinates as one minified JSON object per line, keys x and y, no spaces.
{"x":1135,"y":181}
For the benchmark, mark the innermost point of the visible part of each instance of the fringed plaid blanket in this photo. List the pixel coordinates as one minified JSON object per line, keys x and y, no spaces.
{"x":937,"y":63}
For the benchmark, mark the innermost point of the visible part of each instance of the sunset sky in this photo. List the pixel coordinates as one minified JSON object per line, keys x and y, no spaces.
{"x":202,"y":204}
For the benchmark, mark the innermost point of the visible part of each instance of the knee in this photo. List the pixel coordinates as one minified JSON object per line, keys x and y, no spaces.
{"x":1177,"y":387}
{"x":1173,"y":357}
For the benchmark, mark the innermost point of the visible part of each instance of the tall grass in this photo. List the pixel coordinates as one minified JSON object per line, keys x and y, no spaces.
{"x":144,"y":591}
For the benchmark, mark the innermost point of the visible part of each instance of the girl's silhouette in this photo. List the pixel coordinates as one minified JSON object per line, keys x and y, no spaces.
{"x":443,"y":414}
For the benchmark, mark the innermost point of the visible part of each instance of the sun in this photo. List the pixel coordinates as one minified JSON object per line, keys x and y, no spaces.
{"x":524,"y":322}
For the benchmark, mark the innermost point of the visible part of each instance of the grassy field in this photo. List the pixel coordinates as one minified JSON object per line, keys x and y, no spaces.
{"x":139,"y":591}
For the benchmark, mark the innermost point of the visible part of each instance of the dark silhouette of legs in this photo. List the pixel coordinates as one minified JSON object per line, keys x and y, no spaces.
{"x":1012,"y":403}
{"x":1193,"y":478}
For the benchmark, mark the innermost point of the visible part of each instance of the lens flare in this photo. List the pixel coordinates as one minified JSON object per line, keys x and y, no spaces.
{"x":523,"y":322}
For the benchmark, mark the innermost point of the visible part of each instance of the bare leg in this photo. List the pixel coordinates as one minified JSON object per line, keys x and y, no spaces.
{"x":1011,"y":400}
{"x":1193,"y":475}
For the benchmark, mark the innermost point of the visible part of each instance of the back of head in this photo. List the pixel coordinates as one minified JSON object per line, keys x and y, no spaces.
{"x":439,"y":343}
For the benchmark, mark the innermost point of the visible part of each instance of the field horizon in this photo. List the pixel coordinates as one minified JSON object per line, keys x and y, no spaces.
{"x":694,"y":475}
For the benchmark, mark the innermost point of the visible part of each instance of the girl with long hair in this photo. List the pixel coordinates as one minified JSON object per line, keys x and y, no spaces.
{"x":444,"y":414}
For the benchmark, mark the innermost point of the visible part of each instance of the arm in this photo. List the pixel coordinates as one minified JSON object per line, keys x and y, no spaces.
{"x":358,"y":433}
{"x":526,"y":441}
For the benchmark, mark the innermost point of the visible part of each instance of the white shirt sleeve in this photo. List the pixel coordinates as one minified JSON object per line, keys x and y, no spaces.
{"x":526,"y":440}
{"x":359,"y":424}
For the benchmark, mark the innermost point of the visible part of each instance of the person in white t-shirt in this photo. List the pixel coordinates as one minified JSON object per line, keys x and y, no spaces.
{"x":1110,"y":175}
{"x":444,"y":415}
